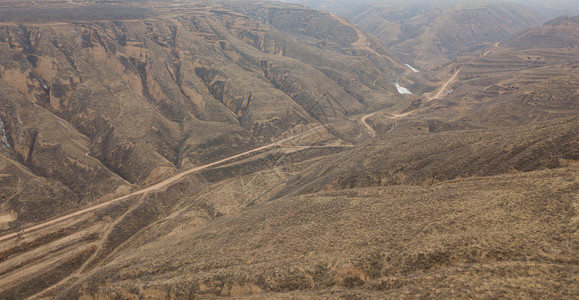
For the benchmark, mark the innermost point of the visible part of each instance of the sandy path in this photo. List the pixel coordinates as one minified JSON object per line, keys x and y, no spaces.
{"x":394,"y":117}
{"x":157,"y":186}
{"x":397,"y":116}
{"x":443,"y":88}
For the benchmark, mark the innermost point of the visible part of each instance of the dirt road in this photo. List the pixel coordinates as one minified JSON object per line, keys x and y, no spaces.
{"x":369,"y":128}
{"x":157,"y":186}
{"x":443,"y":88}
{"x":440,"y":92}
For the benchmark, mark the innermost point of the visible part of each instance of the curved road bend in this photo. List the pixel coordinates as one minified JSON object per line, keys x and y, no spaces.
{"x":440,"y":92}
{"x":369,"y":128}
{"x":156,"y":186}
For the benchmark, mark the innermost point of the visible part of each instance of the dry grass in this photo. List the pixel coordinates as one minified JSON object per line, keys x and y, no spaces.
{"x":504,"y":236}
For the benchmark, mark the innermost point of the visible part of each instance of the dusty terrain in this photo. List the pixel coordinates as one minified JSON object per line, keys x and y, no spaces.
{"x":230,"y":149}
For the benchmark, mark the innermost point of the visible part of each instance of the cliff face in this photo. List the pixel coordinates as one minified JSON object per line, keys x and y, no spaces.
{"x":92,"y":106}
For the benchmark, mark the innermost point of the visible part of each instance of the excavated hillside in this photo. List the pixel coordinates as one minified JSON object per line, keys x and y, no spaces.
{"x":95,"y":104}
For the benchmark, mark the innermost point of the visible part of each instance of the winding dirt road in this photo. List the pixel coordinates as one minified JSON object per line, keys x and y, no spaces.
{"x":156,"y":186}
{"x":369,"y":128}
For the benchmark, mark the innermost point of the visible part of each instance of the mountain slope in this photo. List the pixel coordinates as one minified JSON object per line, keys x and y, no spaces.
{"x":528,"y":77}
{"x":437,"y":241}
{"x":399,"y":159}
{"x":140,"y":96}
{"x":428,"y":36}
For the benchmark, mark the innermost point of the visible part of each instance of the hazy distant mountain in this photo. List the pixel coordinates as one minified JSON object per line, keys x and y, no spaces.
{"x":427,"y":34}
{"x":348,"y":8}
{"x":552,"y":9}
{"x":429,"y":37}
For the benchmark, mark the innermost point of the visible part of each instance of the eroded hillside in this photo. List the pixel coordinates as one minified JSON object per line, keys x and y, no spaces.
{"x":91,"y":108}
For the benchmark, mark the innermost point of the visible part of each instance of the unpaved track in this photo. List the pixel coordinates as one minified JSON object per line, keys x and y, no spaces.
{"x":157,"y":186}
{"x":369,"y":128}
{"x":440,"y":92}
{"x":394,"y":117}
{"x":443,"y":88}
